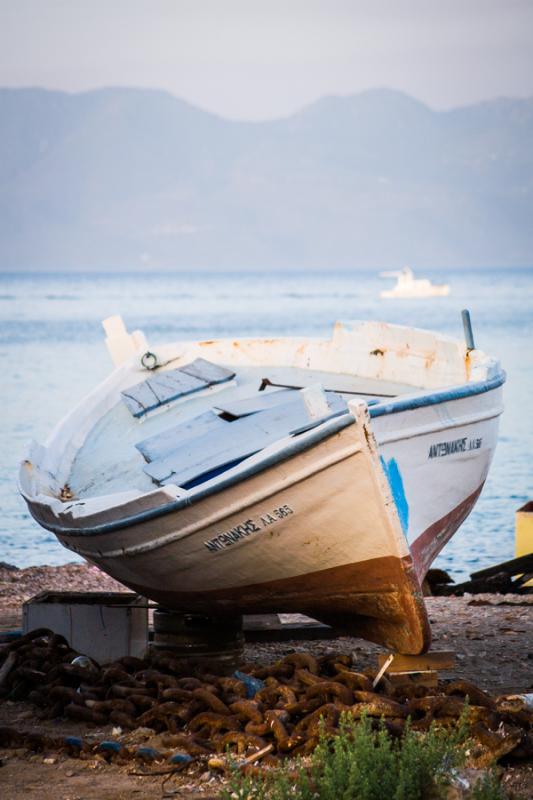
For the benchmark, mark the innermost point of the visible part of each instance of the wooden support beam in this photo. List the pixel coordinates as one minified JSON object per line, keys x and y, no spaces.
{"x":515,"y":566}
{"x":438,"y":659}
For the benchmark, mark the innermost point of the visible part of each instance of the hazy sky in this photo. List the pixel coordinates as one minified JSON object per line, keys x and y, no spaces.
{"x":255,"y":59}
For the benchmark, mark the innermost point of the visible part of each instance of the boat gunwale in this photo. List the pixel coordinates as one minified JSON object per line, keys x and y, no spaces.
{"x":469,"y":389}
{"x":294,"y":447}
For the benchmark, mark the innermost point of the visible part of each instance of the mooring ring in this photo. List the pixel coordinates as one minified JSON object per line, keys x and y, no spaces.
{"x":149,"y":360}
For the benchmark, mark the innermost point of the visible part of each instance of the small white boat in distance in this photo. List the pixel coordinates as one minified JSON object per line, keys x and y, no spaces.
{"x":408,"y":287}
{"x":245,"y":476}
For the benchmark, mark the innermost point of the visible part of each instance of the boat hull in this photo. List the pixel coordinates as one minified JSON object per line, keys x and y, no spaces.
{"x":317,"y":534}
{"x":437,"y":458}
{"x":334,"y":532}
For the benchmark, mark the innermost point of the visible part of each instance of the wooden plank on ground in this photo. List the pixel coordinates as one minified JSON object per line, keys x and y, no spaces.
{"x":513,"y":567}
{"x":427,"y":677}
{"x":438,"y":659}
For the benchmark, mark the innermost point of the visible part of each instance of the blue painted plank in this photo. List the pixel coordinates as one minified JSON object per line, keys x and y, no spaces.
{"x":157,"y":447}
{"x":207,"y":371}
{"x":235,"y":441}
{"x":259,"y":401}
{"x":163,"y":387}
{"x":160,"y":389}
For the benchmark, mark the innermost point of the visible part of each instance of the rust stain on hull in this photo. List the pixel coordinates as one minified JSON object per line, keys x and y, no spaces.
{"x":378,"y":599}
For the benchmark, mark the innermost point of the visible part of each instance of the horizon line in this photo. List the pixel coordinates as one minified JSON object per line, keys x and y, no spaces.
{"x":297,"y":110}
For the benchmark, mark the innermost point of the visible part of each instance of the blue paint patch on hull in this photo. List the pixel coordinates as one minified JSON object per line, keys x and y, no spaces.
{"x":394,"y":477}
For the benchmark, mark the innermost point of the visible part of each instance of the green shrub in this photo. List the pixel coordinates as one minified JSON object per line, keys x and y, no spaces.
{"x":488,"y":789}
{"x":360,"y":763}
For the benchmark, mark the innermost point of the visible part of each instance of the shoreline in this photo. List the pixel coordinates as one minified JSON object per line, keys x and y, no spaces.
{"x":491,"y":636}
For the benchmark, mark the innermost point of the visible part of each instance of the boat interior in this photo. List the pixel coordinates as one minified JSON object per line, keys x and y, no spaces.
{"x":188,"y":425}
{"x":198,"y":411}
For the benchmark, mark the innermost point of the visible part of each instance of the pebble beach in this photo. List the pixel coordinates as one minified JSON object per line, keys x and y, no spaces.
{"x":490,"y":635}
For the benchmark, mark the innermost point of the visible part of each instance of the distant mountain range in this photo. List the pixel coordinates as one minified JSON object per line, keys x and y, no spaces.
{"x":131,"y":178}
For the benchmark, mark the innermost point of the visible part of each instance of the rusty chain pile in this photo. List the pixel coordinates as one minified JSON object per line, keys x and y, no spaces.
{"x":277,"y":710}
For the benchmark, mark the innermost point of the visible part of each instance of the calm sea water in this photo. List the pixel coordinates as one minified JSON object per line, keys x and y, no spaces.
{"x":52,"y":353}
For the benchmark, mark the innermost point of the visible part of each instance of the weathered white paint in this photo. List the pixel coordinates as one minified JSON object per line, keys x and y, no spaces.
{"x":122,"y":345}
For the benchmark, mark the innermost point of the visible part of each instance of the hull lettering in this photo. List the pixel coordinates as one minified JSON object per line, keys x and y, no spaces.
{"x":463,"y":445}
{"x":247,"y":528}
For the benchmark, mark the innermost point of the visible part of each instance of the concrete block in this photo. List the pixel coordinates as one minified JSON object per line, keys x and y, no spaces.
{"x":103,"y":625}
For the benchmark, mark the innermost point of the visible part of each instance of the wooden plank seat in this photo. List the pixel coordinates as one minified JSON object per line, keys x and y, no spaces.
{"x":285,"y":387}
{"x":163,"y":387}
{"x":259,"y":401}
{"x":187,"y":459}
{"x":157,"y":447}
{"x":160,"y":445}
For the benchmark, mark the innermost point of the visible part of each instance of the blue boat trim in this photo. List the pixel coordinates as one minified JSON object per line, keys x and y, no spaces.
{"x":440,"y":396}
{"x":394,"y":477}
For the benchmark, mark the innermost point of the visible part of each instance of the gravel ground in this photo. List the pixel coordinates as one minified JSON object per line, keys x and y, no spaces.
{"x":491,"y":635}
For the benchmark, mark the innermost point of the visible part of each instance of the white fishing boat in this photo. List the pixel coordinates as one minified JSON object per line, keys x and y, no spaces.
{"x":408,"y":287}
{"x":319,"y":476}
